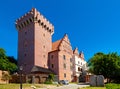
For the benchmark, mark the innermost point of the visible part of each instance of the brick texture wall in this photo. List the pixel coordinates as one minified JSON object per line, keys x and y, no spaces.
{"x":34,"y":40}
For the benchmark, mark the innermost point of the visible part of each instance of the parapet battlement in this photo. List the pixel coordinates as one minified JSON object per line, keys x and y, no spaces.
{"x":34,"y":16}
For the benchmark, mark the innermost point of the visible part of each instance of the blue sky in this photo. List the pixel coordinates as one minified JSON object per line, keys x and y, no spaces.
{"x":92,"y":25}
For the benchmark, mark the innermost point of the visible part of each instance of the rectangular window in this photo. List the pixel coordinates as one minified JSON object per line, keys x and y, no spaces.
{"x":52,"y":65}
{"x":64,"y":65}
{"x":70,"y":59}
{"x":64,"y":57}
{"x":64,"y":75}
{"x":79,"y":69}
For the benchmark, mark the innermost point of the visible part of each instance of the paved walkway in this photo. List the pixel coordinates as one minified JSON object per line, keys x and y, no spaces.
{"x":70,"y":86}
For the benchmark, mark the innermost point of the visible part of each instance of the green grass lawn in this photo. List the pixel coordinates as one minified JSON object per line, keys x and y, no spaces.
{"x":25,"y":86}
{"x":107,"y":86}
{"x":112,"y":86}
{"x":93,"y":88}
{"x":14,"y":86}
{"x":28,"y":86}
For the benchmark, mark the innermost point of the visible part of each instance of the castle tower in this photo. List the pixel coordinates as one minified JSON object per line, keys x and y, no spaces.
{"x":34,"y":40}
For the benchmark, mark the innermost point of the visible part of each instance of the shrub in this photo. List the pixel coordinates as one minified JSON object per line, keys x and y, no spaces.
{"x":48,"y":82}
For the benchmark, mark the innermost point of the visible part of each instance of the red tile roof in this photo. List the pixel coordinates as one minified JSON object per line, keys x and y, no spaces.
{"x":55,"y":45}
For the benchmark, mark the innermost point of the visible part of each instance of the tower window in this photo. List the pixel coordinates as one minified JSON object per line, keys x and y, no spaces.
{"x":52,"y":65}
{"x":64,"y":75}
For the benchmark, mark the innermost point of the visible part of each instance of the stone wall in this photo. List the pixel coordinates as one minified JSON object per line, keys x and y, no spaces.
{"x":97,"y":80}
{"x":1,"y":79}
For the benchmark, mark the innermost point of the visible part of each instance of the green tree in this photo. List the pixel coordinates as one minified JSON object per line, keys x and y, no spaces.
{"x":2,"y":54}
{"x":12,"y":59}
{"x":5,"y":63}
{"x":107,"y":65}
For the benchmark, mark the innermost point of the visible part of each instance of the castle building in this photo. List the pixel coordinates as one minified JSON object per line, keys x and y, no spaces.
{"x":36,"y":52}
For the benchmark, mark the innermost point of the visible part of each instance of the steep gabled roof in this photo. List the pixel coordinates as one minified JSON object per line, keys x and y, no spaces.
{"x":66,"y":38}
{"x":75,"y":51}
{"x":55,"y":45}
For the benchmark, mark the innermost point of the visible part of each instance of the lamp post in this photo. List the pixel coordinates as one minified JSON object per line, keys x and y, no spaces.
{"x":21,"y":68}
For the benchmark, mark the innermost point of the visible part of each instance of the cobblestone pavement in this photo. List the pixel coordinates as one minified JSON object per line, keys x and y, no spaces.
{"x":70,"y":86}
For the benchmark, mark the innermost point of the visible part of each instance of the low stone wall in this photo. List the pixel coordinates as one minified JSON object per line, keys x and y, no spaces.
{"x":2,"y":81}
{"x":31,"y":78}
{"x":16,"y":79}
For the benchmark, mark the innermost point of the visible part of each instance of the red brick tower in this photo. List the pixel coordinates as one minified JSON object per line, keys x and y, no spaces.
{"x":34,"y":40}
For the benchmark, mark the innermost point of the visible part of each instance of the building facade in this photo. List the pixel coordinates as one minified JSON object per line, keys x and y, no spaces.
{"x":37,"y":53}
{"x":60,"y":59}
{"x":80,"y":66}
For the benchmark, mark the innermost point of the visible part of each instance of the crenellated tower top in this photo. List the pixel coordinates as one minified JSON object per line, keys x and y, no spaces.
{"x":34,"y":16}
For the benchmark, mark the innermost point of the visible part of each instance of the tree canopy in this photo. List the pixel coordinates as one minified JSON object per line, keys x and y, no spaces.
{"x":107,"y":65}
{"x":7,"y":63}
